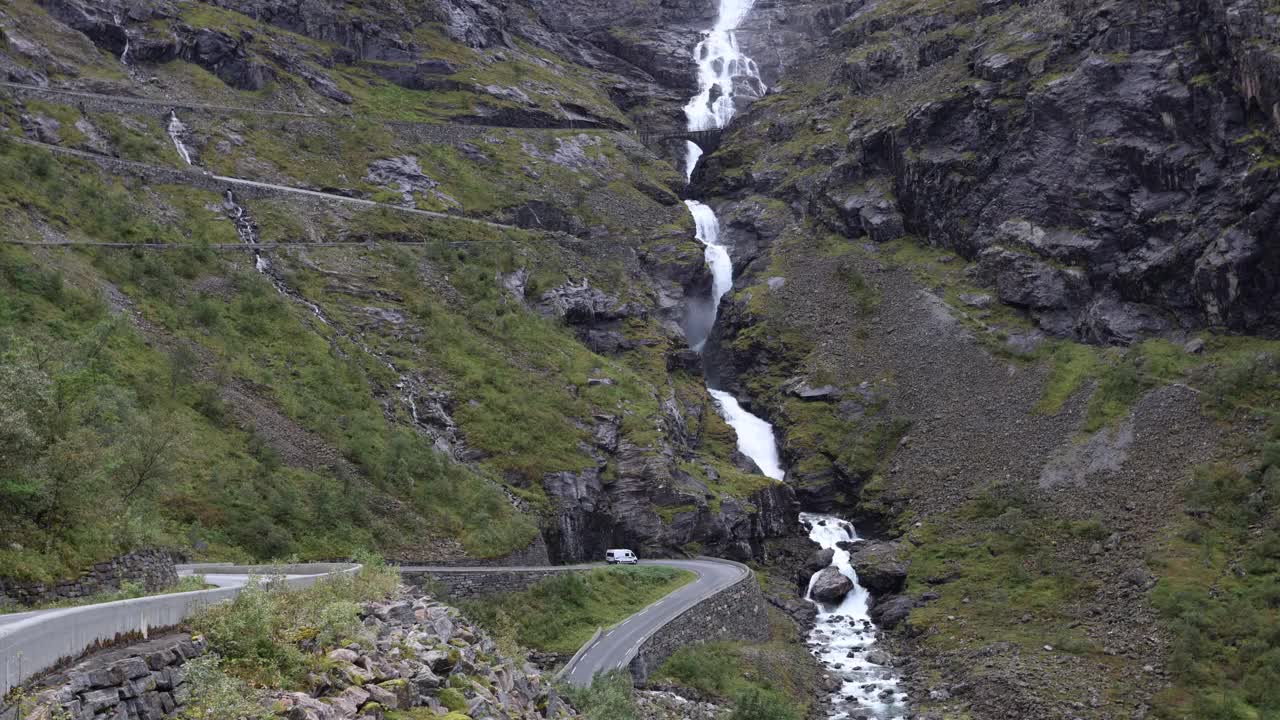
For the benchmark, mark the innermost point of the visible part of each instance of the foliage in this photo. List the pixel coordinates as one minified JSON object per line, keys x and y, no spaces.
{"x":759,"y":680}
{"x":271,"y":635}
{"x":561,"y":612}
{"x":1220,"y":593}
{"x":609,"y":697}
{"x":216,"y":695}
{"x":758,"y":704}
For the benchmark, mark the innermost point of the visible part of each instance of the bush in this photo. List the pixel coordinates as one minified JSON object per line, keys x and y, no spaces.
{"x":610,"y":697}
{"x":271,"y":635}
{"x":757,"y":704}
{"x":215,"y":695}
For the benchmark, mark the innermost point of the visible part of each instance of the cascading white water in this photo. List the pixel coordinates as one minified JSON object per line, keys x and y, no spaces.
{"x":724,"y":73}
{"x":721,"y":67}
{"x":702,"y":316}
{"x":124,"y":54}
{"x":755,"y":436}
{"x":177,"y":130}
{"x":844,"y":637}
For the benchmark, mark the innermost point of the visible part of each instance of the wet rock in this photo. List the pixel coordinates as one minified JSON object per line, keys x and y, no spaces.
{"x":819,"y":560}
{"x":889,"y":612}
{"x":830,"y":586}
{"x":880,"y":567}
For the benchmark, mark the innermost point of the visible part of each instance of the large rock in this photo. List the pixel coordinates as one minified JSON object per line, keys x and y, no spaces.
{"x":889,"y":612}
{"x":819,"y":560}
{"x":830,"y":586}
{"x":880,"y":567}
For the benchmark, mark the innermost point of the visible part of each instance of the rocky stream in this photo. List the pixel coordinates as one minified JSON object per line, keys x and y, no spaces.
{"x":843,"y":638}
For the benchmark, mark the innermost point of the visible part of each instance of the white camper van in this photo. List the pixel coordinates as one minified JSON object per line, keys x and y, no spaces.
{"x":624,"y":557}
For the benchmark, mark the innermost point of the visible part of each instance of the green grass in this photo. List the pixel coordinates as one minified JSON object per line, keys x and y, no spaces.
{"x":559,"y":614}
{"x":776,"y":680}
{"x":1219,"y":592}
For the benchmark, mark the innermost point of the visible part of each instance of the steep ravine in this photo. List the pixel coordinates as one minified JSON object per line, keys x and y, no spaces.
{"x":843,"y":637}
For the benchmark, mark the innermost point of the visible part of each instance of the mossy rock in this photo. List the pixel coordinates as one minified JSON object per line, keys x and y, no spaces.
{"x":453,"y":699}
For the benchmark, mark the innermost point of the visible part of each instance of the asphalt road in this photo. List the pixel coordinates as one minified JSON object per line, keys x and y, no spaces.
{"x":614,"y":648}
{"x":618,"y":644}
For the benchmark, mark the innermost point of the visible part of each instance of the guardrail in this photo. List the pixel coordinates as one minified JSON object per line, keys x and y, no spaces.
{"x":43,"y":640}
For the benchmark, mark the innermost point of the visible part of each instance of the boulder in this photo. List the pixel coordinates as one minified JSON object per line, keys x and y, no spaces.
{"x":880,"y":567}
{"x":889,"y":611}
{"x":830,"y":586}
{"x":819,"y":560}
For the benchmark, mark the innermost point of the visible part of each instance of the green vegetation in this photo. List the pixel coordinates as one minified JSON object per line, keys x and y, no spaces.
{"x":216,"y":695}
{"x":1219,"y":590}
{"x":774,"y":680}
{"x":609,"y":697}
{"x":1004,"y":565}
{"x":560,"y":613}
{"x":271,"y":635}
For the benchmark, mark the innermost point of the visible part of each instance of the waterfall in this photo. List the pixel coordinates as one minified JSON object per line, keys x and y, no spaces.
{"x":721,"y":66}
{"x":845,"y":638}
{"x":124,"y":54}
{"x":247,"y":229}
{"x":177,"y":130}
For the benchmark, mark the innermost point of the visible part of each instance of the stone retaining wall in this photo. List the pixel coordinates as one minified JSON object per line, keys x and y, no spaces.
{"x":738,"y":612}
{"x":463,"y":584}
{"x":146,"y":682}
{"x":154,"y":569}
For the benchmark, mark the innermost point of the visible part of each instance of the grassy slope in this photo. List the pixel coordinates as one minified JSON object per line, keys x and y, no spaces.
{"x":211,"y":328}
{"x":560,"y":614}
{"x":778,"y":679}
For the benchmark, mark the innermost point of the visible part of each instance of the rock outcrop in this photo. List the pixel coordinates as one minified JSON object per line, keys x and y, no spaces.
{"x":830,"y":586}
{"x":880,"y":567}
{"x":1111,"y":169}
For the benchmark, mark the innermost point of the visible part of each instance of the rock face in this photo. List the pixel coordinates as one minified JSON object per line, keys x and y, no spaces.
{"x":1100,"y":170}
{"x":148,"y":683}
{"x":830,"y":586}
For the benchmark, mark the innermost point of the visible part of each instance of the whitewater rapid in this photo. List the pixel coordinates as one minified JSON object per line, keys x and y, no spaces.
{"x":843,"y":638}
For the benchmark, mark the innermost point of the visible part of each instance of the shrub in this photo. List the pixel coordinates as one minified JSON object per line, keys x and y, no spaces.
{"x":271,"y":635}
{"x":610,"y":697}
{"x":215,"y":695}
{"x":757,"y":704}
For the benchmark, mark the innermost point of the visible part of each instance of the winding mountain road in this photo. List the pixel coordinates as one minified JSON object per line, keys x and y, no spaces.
{"x":31,"y":642}
{"x":614,"y":648}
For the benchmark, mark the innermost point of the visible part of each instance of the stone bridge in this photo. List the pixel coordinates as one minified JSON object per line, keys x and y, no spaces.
{"x":708,"y":140}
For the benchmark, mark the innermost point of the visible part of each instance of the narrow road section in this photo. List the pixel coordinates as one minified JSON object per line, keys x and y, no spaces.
{"x":32,"y":642}
{"x":614,"y":648}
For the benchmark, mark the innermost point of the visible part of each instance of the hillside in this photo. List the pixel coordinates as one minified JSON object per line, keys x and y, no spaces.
{"x":306,"y":279}
{"x":368,"y":375}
